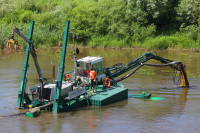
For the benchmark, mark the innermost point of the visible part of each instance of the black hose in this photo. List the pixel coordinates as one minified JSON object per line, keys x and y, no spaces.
{"x":125,"y":77}
{"x":42,"y":107}
{"x":162,"y":65}
{"x":148,"y":64}
{"x":46,"y":105}
{"x":19,"y":114}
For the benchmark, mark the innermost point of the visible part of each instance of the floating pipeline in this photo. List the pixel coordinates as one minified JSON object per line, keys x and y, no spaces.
{"x":34,"y":112}
{"x":144,"y":95}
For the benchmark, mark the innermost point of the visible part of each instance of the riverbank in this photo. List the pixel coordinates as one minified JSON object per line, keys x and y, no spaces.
{"x":59,"y":49}
{"x":179,"y":40}
{"x":102,"y":23}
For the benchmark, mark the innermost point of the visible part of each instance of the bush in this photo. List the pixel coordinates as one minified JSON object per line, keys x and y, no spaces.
{"x":188,"y":12}
{"x":141,"y":33}
{"x":26,"y":17}
{"x":191,"y":31}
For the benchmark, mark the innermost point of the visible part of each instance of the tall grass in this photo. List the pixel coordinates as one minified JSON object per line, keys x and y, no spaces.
{"x":106,"y":41}
{"x":188,"y":38}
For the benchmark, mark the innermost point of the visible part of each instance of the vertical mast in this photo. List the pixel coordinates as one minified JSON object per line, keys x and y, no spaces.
{"x":74,"y":57}
{"x":61,"y":71}
{"x":20,"y":101}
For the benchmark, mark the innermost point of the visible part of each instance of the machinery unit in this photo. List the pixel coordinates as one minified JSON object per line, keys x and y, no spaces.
{"x":66,"y":94}
{"x":12,"y":41}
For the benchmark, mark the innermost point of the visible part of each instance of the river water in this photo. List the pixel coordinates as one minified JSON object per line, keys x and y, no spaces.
{"x":179,"y":111}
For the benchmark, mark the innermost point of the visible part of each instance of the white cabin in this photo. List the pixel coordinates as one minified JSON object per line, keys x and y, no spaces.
{"x":84,"y":66}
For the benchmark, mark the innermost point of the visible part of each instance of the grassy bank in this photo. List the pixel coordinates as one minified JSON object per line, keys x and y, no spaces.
{"x":102,"y":23}
{"x":162,"y":42}
{"x":43,"y":38}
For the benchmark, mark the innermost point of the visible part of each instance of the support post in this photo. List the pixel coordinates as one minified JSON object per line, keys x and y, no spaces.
{"x":21,"y":94}
{"x":61,"y":71}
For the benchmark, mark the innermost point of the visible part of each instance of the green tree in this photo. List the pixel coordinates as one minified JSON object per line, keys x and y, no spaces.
{"x":189,"y":12}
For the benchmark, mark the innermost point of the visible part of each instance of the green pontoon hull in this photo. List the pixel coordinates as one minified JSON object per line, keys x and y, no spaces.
{"x":98,"y":98}
{"x":110,"y":95}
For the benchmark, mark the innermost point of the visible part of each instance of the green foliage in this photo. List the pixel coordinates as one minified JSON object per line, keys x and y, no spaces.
{"x":192,"y":31}
{"x":26,"y":5}
{"x":4,"y":34}
{"x":26,"y":17}
{"x":174,"y":41}
{"x":6,"y":7}
{"x":160,"y":12}
{"x":141,"y":33}
{"x":157,"y":24}
{"x":189,"y":12}
{"x":106,"y":41}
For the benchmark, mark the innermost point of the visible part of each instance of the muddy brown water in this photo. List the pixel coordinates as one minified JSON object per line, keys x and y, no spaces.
{"x":178,"y":112}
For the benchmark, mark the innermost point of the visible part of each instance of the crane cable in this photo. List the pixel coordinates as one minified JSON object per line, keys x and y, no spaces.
{"x":176,"y":76}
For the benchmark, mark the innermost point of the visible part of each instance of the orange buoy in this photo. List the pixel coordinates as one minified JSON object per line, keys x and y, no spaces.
{"x":107,"y":82}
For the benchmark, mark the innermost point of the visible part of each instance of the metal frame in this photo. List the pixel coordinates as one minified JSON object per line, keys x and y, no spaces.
{"x":61,"y":71}
{"x":22,"y":94}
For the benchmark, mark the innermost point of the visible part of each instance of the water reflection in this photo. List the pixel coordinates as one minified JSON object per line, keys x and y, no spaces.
{"x":131,"y":115}
{"x":183,"y":95}
{"x":183,"y":98}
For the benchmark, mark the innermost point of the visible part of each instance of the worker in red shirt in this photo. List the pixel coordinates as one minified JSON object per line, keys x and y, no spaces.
{"x":92,"y":77}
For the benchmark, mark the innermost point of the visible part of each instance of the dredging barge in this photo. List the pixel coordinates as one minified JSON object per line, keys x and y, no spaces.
{"x":65,"y":93}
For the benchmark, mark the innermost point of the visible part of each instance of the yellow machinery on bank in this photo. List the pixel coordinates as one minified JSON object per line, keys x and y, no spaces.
{"x":12,"y":42}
